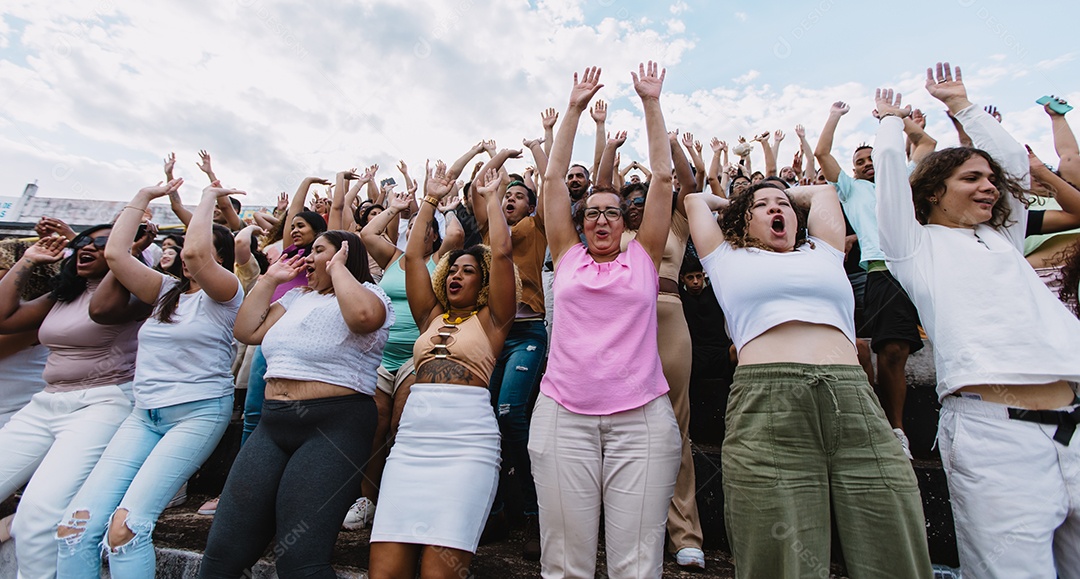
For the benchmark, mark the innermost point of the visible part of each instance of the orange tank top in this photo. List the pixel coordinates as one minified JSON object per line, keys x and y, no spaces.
{"x":466,"y":344}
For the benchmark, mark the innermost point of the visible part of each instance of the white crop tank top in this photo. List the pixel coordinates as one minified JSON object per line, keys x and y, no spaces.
{"x":759,"y":289}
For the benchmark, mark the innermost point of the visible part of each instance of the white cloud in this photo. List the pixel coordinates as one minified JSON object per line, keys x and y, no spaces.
{"x":746,"y":78}
{"x":676,"y":26}
{"x":1053,"y":63}
{"x":740,"y":16}
{"x":679,"y":7}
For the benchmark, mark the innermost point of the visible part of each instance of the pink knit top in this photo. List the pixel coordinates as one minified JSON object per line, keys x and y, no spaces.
{"x":604,"y":357}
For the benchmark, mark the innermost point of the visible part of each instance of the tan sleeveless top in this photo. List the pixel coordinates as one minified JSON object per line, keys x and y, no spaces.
{"x":466,"y":344}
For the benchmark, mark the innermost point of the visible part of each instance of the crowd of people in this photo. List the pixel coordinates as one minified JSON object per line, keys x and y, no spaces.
{"x":411,"y":359}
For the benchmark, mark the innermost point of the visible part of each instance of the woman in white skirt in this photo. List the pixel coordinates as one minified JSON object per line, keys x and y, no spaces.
{"x":442,"y":473}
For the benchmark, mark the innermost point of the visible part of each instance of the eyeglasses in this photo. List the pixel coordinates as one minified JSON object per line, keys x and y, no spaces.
{"x":592,"y":214}
{"x":98,"y":242}
{"x":638,"y":201}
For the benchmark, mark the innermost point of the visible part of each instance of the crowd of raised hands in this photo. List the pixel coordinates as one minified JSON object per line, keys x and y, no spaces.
{"x":403,"y":326}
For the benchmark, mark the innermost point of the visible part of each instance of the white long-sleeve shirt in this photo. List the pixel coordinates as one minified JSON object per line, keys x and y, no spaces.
{"x":990,"y":319}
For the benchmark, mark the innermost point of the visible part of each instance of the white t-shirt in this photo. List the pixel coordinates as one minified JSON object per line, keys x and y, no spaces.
{"x":20,"y":379}
{"x":312,"y":342}
{"x":191,"y":358}
{"x":989,"y":316}
{"x":760,"y":289}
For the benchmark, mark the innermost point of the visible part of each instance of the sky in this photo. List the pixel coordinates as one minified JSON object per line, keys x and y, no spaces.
{"x":93,"y":94}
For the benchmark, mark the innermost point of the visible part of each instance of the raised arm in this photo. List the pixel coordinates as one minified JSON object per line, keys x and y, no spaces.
{"x":599,"y":114}
{"x":715,"y":186}
{"x":142,"y":281}
{"x":336,"y":218}
{"x":258,"y":313}
{"x":809,"y":171}
{"x":502,"y":292}
{"x":422,"y":301}
{"x":481,"y":202}
{"x":704,"y":229}
{"x":548,"y":118}
{"x":767,"y":153}
{"x":18,"y":316}
{"x":199,"y":254}
{"x":900,"y":232}
{"x":922,"y":143}
{"x":296,"y":204}
{"x":823,"y":152}
{"x":232,"y":220}
{"x":1067,"y":196}
{"x":1065,"y":145}
{"x":826,"y":219}
{"x":682,"y":171}
{"x":605,"y":171}
{"x":558,"y":223}
{"x":778,"y":136}
{"x":656,"y":220}
{"x":459,"y":165}
{"x":381,"y":250}
{"x":693,"y":148}
{"x":175,"y":203}
{"x":364,"y":312}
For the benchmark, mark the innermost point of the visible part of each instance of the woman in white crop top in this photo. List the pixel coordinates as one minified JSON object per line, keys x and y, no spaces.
{"x":804,"y":430}
{"x":298,"y":470}
{"x":183,"y":393}
{"x":1005,"y":349}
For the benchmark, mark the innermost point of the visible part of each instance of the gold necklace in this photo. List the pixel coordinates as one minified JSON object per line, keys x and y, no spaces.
{"x":458,"y":320}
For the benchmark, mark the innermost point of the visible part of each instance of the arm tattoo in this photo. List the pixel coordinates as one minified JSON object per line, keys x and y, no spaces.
{"x":265,"y":313}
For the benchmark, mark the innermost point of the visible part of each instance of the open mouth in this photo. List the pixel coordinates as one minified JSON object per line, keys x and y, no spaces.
{"x":86,"y":258}
{"x":777,"y":224}
{"x":310,"y":270}
{"x":509,"y":209}
{"x":453,"y":287}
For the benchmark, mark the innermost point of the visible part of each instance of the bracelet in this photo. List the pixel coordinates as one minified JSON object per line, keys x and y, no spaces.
{"x":434,"y":202}
{"x":134,"y":207}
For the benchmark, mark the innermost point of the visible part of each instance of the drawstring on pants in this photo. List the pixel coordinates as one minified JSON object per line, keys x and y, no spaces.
{"x":816,"y":377}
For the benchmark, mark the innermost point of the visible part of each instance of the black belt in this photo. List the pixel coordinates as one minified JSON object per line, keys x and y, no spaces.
{"x":1066,"y":421}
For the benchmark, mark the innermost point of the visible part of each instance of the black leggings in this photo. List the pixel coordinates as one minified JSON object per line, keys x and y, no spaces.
{"x":292,"y":482}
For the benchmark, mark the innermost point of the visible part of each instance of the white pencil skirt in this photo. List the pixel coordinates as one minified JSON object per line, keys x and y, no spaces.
{"x":442,"y":473}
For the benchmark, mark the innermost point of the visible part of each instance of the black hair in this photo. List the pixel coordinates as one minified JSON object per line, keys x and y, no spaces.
{"x":529,"y":193}
{"x":357,"y":260}
{"x":177,"y":238}
{"x":68,"y":285}
{"x":735,"y":220}
{"x":177,"y":268}
{"x":316,"y":222}
{"x":224,"y":247}
{"x":578,"y":210}
{"x":362,"y":214}
{"x":775,"y":182}
{"x":690,"y":264}
{"x":583,"y":168}
{"x":235,"y":205}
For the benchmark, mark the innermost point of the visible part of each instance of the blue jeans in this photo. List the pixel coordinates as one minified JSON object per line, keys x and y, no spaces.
{"x":513,"y":385}
{"x":256,"y":391}
{"x":152,"y":454}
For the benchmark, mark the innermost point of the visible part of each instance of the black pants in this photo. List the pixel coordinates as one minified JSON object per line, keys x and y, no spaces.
{"x":292,"y":482}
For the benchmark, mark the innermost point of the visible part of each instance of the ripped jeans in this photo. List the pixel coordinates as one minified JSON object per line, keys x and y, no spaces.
{"x":514,"y":382}
{"x":152,"y":454}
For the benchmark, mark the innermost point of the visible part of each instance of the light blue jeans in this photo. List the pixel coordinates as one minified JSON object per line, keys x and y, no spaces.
{"x":152,"y":454}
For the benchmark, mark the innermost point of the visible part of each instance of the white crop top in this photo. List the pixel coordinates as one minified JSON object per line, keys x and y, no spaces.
{"x":759,"y":289}
{"x":312,"y":342}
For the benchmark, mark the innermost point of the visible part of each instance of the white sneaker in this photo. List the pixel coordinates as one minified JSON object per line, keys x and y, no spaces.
{"x":360,"y":514}
{"x":690,"y":557}
{"x":903,"y":442}
{"x":180,"y":497}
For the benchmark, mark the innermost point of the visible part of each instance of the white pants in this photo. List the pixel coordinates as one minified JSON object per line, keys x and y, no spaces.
{"x":626,"y":463}
{"x":1015,"y":493}
{"x":54,"y":442}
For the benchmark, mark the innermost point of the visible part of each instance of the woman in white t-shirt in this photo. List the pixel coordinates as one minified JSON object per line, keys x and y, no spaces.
{"x":298,"y":472}
{"x":805,"y":434}
{"x":1005,"y":349}
{"x":183,"y":392}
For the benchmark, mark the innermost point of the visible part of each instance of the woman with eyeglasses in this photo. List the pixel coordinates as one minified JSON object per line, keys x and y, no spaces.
{"x":603,"y":433}
{"x":443,"y":469}
{"x":53,"y":443}
{"x":183,"y":392}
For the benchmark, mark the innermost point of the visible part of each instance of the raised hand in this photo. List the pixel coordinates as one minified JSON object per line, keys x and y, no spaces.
{"x":717,"y":145}
{"x":585,"y":88}
{"x":439,"y":183}
{"x":488,"y":183}
{"x":548,"y":117}
{"x":216,"y":190}
{"x":800,"y":131}
{"x":778,"y":136}
{"x":673,"y":137}
{"x":1051,"y":111}
{"x":697,"y":146}
{"x":339,"y":259}
{"x":887,"y":104}
{"x":204,"y":162}
{"x":161,"y":190}
{"x":618,"y":139}
{"x":170,"y":162}
{"x":918,"y":118}
{"x":688,"y":140}
{"x":286,"y":269}
{"x":796,"y":163}
{"x":349,"y":175}
{"x":46,"y":250}
{"x":649,"y":80}
{"x":1034,"y":162}
{"x":282,"y":201}
{"x":400,"y":201}
{"x":993,"y":112}
{"x":530,"y":143}
{"x":762,"y":137}
{"x":50,"y":225}
{"x":942,"y":85}
{"x":402,"y":168}
{"x":839,"y":108}
{"x":489,"y":146}
{"x":450,"y":202}
{"x":599,"y":111}
{"x":368,"y":174}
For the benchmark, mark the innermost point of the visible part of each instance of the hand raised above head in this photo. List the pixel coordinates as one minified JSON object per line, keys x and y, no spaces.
{"x":170,"y":162}
{"x":649,"y":80}
{"x":599,"y":111}
{"x":585,"y":88}
{"x":800,"y":131}
{"x":47,"y":250}
{"x":439,"y":183}
{"x":839,"y":108}
{"x":942,"y":85}
{"x":548,"y":117}
{"x":204,"y":162}
{"x":887,"y":103}
{"x":618,"y":139}
{"x":162,"y":189}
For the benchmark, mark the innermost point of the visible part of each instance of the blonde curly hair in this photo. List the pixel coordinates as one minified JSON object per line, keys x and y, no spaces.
{"x":482,"y":254}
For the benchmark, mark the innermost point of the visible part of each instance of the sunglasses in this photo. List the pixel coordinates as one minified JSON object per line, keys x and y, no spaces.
{"x":98,"y":242}
{"x":637,"y":201}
